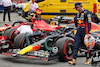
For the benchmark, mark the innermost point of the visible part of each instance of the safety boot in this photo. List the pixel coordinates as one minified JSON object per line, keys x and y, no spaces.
{"x":73,"y":62}
{"x":87,"y":62}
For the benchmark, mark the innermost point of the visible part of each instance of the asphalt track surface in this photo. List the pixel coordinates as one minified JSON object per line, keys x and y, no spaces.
{"x":6,"y":61}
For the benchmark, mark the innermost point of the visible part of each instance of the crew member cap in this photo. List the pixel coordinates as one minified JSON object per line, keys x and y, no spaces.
{"x":77,"y":5}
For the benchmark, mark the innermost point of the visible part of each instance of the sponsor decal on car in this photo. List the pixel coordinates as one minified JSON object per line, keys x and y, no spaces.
{"x":2,"y":39}
{"x":39,"y":53}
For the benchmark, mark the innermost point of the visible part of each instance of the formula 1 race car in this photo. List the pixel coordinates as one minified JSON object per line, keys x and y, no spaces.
{"x":47,"y":48}
{"x":60,"y":19}
{"x":58,"y":45}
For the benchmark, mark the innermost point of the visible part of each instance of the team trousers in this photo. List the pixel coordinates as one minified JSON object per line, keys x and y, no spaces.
{"x":6,"y":9}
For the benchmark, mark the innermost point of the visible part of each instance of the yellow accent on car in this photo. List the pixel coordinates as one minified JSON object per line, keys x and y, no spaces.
{"x":26,"y":49}
{"x":52,"y":23}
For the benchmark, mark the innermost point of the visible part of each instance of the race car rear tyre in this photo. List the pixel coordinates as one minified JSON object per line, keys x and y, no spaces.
{"x":65,"y":46}
{"x":20,"y":41}
{"x":10,"y":35}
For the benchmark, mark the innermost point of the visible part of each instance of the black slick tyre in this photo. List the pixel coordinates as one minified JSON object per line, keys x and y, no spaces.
{"x":65,"y":46}
{"x":10,"y":35}
{"x":19,"y":41}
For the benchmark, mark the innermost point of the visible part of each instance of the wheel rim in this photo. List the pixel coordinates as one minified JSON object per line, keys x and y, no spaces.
{"x":69,"y":49}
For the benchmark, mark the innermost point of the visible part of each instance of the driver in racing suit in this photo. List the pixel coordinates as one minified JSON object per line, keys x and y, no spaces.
{"x":83,"y":23}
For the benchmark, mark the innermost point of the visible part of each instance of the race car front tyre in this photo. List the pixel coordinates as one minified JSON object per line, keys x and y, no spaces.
{"x":65,"y":46}
{"x":20,"y":41}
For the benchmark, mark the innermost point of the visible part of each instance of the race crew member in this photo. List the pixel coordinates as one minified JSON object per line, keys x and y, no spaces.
{"x":83,"y":23}
{"x":7,"y":8}
{"x":24,"y":29}
{"x":30,"y":6}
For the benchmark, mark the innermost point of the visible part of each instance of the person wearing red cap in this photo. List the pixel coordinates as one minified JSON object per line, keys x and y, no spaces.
{"x":83,"y":24}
